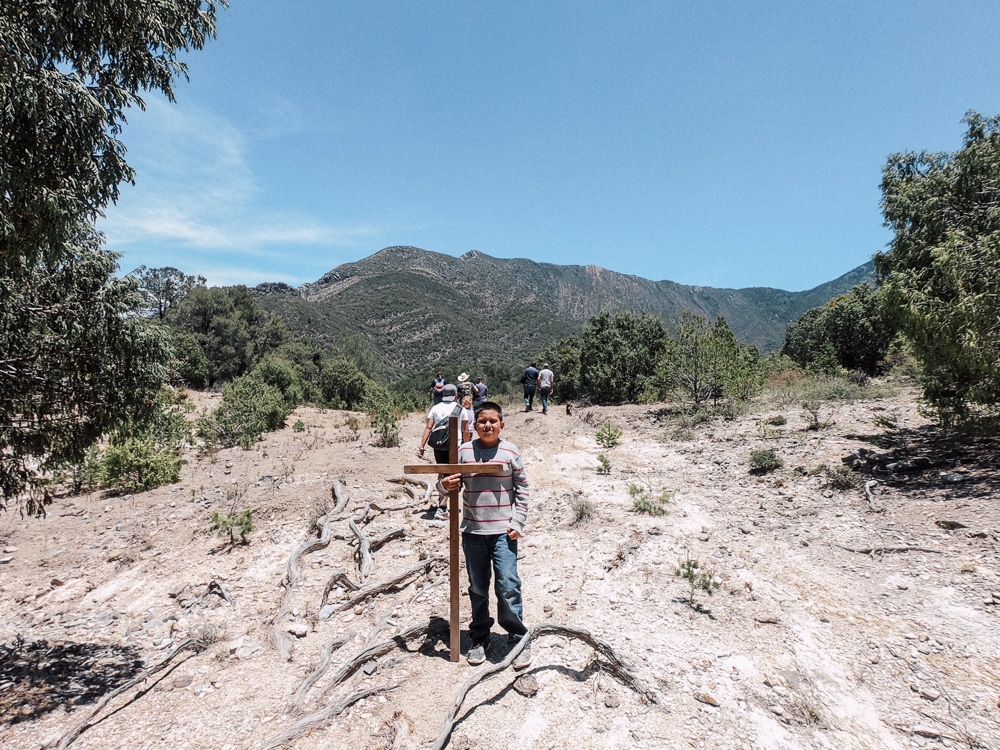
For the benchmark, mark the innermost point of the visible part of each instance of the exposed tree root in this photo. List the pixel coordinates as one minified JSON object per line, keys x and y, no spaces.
{"x":294,"y":571}
{"x":281,"y":640}
{"x":391,"y":584}
{"x":322,"y":717}
{"x":887,"y":550}
{"x":604,"y":650}
{"x":324,"y":664}
{"x":363,"y":554}
{"x":214,"y":587}
{"x":378,"y":541}
{"x":340,"y":498}
{"x":870,"y":494}
{"x":338,"y":577}
{"x":379,"y":649}
{"x":191,"y":644}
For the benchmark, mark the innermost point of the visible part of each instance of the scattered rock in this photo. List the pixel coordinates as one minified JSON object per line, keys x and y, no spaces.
{"x":298,"y":629}
{"x":182,"y":681}
{"x":526,"y":685}
{"x":611,"y":700}
{"x":766,"y":619}
{"x":707,"y":699}
{"x":370,"y":667}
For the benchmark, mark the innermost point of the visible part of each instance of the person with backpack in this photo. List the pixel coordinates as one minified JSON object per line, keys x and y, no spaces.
{"x":437,"y":389}
{"x":437,"y":434}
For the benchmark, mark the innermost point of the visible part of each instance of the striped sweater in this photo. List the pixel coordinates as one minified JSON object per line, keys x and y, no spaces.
{"x":493,"y":503}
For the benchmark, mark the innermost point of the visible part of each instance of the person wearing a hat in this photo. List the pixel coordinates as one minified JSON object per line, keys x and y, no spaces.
{"x":465,"y":387}
{"x":438,"y":413}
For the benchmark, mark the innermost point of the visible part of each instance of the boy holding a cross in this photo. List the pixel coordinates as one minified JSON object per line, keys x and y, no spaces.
{"x":494,"y":511}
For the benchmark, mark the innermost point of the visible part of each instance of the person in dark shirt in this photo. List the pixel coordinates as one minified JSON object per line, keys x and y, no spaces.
{"x":530,"y":380}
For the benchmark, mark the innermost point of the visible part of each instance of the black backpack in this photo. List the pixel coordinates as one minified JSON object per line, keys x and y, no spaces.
{"x":441,"y":433}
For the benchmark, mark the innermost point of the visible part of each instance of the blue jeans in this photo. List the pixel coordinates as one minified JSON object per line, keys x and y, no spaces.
{"x":545,"y":398}
{"x":486,"y":555}
{"x":529,"y":396}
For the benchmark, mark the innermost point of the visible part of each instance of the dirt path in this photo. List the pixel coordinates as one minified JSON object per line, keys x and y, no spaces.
{"x":805,"y":644}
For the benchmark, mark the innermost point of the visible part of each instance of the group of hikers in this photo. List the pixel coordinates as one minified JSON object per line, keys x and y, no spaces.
{"x":494,"y":506}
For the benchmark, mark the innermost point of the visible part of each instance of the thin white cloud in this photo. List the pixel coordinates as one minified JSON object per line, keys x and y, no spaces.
{"x":195,"y":192}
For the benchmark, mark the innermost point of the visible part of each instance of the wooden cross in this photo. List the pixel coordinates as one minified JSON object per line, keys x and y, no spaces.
{"x":453,"y":467}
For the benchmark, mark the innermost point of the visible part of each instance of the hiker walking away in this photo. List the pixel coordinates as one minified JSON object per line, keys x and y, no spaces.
{"x":546,"y":382}
{"x":465,"y":387}
{"x":467,"y":420}
{"x":494,"y":512}
{"x":481,"y":391}
{"x":436,"y":432}
{"x":529,"y":379}
{"x":437,"y":387}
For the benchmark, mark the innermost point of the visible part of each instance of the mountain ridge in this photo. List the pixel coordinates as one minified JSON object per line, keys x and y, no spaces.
{"x":417,"y":309}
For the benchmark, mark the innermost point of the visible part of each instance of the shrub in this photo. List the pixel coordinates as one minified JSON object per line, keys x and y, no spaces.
{"x":698,"y":578}
{"x":249,"y":408}
{"x":134,"y":464}
{"x":764,"y":460}
{"x":583,"y":510}
{"x":383,"y":414}
{"x":299,"y":426}
{"x":608,"y":435}
{"x":232,"y":524}
{"x":841,"y":479}
{"x":643,"y":503}
{"x":605,"y":464}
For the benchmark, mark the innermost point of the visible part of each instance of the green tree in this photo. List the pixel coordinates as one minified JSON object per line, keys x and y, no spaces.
{"x":703,"y":362}
{"x":852,"y":331}
{"x":618,"y":354}
{"x":564,"y":359}
{"x":940,"y":279}
{"x":74,"y":360}
{"x":232,"y":330}
{"x":164,"y":288}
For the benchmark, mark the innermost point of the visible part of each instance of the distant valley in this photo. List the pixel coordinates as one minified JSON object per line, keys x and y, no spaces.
{"x":418,"y":309}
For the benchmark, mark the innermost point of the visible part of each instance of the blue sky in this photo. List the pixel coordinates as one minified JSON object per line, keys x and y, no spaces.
{"x":724,"y":144}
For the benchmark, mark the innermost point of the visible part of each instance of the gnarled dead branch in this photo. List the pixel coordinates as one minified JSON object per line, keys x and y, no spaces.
{"x":213,"y":587}
{"x":338,"y":577}
{"x":379,"y":649}
{"x":191,"y":644}
{"x":363,"y":554}
{"x":388,"y":536}
{"x":322,"y":717}
{"x":391,"y":584}
{"x":602,"y":649}
{"x":324,"y":664}
{"x":887,"y":550}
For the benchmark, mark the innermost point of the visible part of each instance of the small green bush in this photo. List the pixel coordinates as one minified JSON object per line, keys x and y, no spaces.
{"x":698,"y":578}
{"x":642,"y":502}
{"x":608,"y":436}
{"x":605,"y":464}
{"x":299,"y":426}
{"x":232,"y":524}
{"x":383,"y":414}
{"x":583,"y":510}
{"x":249,"y":408}
{"x":764,"y":460}
{"x":842,"y":479}
{"x":134,"y":464}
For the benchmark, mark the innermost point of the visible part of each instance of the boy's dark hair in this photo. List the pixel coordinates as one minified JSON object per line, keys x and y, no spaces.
{"x":492,"y":406}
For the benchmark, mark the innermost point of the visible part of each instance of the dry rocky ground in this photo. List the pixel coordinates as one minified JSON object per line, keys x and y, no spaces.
{"x":841,"y":622}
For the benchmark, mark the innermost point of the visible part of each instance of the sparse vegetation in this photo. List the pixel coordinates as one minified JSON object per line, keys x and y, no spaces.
{"x":235,"y":522}
{"x":299,"y":426}
{"x":764,"y":460}
{"x":604,"y":464}
{"x":644,"y":502}
{"x":697,"y":577}
{"x":583,"y":510}
{"x":382,"y":413}
{"x":608,"y":436}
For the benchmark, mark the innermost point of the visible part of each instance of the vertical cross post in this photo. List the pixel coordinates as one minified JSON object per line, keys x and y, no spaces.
{"x":453,"y":467}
